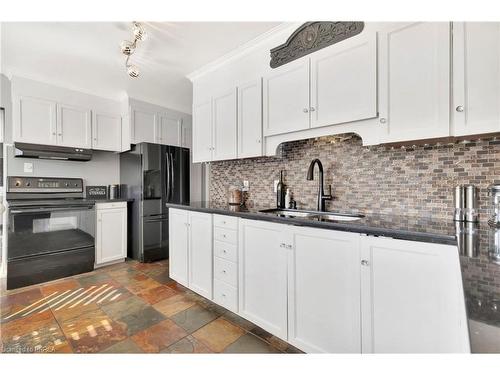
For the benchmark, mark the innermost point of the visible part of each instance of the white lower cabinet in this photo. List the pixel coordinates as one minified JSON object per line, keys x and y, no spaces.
{"x":190,"y":250}
{"x":111,"y":232}
{"x":326,"y":291}
{"x":412,"y":298}
{"x":263,"y":275}
{"x":324,"y":314}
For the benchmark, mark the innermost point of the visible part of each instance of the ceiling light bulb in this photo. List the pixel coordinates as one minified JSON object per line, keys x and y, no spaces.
{"x":127,"y":47}
{"x":139,"y":32}
{"x":133,"y":71}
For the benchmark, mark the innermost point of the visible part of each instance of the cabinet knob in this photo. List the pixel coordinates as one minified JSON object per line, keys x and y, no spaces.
{"x":224,"y":251}
{"x":364,"y":262}
{"x":223,"y":236}
{"x":460,"y":108}
{"x":53,"y":133}
{"x":60,"y":134}
{"x":282,"y":245}
{"x":312,"y":109}
{"x":288,"y":247}
{"x":305,"y":110}
{"x":383,"y":120}
{"x":223,"y":271}
{"x":258,"y":141}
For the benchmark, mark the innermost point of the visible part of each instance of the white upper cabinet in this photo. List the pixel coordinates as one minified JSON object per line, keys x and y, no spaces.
{"x":250,"y":119}
{"x":143,"y":125}
{"x":35,"y":120}
{"x":73,"y":126}
{"x":412,"y":298}
{"x":224,"y":125}
{"x":202,"y":131}
{"x":476,"y":78}
{"x":106,"y":132}
{"x":286,"y":98}
{"x":414,"y":81}
{"x":168,"y":130}
{"x":324,"y":260}
{"x":186,"y":134}
{"x":344,"y":82}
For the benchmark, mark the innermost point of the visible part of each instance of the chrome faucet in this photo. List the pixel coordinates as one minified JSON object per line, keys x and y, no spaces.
{"x":322,"y":197}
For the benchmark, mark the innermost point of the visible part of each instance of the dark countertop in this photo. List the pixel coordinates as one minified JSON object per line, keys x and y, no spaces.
{"x":478,"y":244}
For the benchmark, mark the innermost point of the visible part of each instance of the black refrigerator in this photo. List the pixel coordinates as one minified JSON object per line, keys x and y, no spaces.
{"x":152,"y":175}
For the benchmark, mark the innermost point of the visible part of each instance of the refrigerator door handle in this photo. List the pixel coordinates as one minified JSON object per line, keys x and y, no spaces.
{"x":167,"y":184}
{"x":171,"y":177}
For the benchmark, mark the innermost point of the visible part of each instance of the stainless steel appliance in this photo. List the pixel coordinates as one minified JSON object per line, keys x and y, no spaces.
{"x":50,"y":230}
{"x":153,"y":175}
{"x":28,"y":150}
{"x":494,"y":215}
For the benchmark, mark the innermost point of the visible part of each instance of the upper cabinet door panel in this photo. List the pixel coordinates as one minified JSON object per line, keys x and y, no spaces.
{"x":143,"y":126}
{"x":73,"y":126}
{"x":414,"y":84}
{"x":186,"y":134}
{"x":476,"y":78}
{"x":202,"y":132}
{"x":169,"y":130}
{"x":224,"y":126}
{"x":286,"y":98}
{"x":35,"y":120}
{"x":107,"y":132}
{"x":250,"y":119}
{"x":344,"y":82}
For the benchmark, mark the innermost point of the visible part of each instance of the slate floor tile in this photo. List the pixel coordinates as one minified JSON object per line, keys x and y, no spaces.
{"x":125,"y":346}
{"x":95,"y":279}
{"x":173,"y":305}
{"x":158,"y":337}
{"x":250,"y":344}
{"x":116,"y":310}
{"x":218,"y":334}
{"x":239,"y":321}
{"x":141,"y":319}
{"x":156,"y":294}
{"x":60,"y":287}
{"x":194,"y":318}
{"x":188,"y":345}
{"x":44,"y":339}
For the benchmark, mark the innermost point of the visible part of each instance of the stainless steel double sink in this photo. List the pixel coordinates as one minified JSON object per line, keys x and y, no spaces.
{"x":316,"y":215}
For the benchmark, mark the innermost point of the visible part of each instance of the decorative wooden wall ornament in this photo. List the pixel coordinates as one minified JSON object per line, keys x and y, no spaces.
{"x":311,"y":37}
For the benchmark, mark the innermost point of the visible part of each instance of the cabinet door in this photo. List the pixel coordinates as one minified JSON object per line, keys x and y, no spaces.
{"x":200,"y":253}
{"x":476,"y":78}
{"x":111,"y":236}
{"x":250,"y":119}
{"x":414,"y":84}
{"x":324,"y":291}
{"x":286,"y":98}
{"x":73,"y":126}
{"x":178,"y":221}
{"x":143,"y":126}
{"x":186,"y":134}
{"x":35,"y":121}
{"x":202,"y":132}
{"x":169,"y":130}
{"x":412,"y":297}
{"x":224,"y":126}
{"x":262,"y":263}
{"x":344,"y":82}
{"x":106,"y":132}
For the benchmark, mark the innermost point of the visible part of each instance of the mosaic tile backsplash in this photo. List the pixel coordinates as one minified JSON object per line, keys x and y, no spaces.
{"x":412,"y":181}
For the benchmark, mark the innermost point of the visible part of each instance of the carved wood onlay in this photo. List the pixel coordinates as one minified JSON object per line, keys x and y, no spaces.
{"x":311,"y":37}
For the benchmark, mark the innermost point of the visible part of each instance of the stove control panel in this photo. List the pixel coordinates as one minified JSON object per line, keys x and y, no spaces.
{"x":16,"y":184}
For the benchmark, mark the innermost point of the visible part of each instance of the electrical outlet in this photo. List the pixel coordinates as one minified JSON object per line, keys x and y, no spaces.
{"x":28,"y":167}
{"x":276,"y":185}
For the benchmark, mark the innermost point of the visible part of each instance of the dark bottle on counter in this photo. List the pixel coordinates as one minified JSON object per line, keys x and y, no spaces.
{"x":280,"y":192}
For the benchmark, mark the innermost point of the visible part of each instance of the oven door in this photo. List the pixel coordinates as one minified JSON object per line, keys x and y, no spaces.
{"x":47,"y":243}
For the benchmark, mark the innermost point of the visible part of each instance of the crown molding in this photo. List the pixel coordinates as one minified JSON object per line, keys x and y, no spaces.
{"x":242,"y":50}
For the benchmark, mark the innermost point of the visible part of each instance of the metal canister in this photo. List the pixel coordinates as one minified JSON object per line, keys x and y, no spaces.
{"x":459,"y":201}
{"x":471,"y":203}
{"x":114,"y":191}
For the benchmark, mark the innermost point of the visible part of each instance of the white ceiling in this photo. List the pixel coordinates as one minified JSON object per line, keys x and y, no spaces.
{"x":86,"y":55}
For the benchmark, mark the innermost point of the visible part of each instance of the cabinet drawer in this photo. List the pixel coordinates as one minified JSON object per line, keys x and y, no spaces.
{"x":223,"y":221}
{"x":225,"y":270}
{"x":225,"y":235}
{"x":104,"y":206}
{"x":226,"y":251}
{"x":225,"y":295}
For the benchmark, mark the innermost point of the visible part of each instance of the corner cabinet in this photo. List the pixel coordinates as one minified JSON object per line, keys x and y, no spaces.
{"x":111,"y":232}
{"x":190,"y":250}
{"x":414,"y":81}
{"x":412,"y":298}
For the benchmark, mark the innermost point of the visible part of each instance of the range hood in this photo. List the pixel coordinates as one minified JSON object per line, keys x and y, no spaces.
{"x":29,"y":150}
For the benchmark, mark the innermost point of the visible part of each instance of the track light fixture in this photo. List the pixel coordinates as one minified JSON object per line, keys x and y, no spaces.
{"x":128,"y":48}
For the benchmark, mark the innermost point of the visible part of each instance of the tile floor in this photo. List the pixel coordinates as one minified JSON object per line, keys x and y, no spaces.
{"x":129,"y":307}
